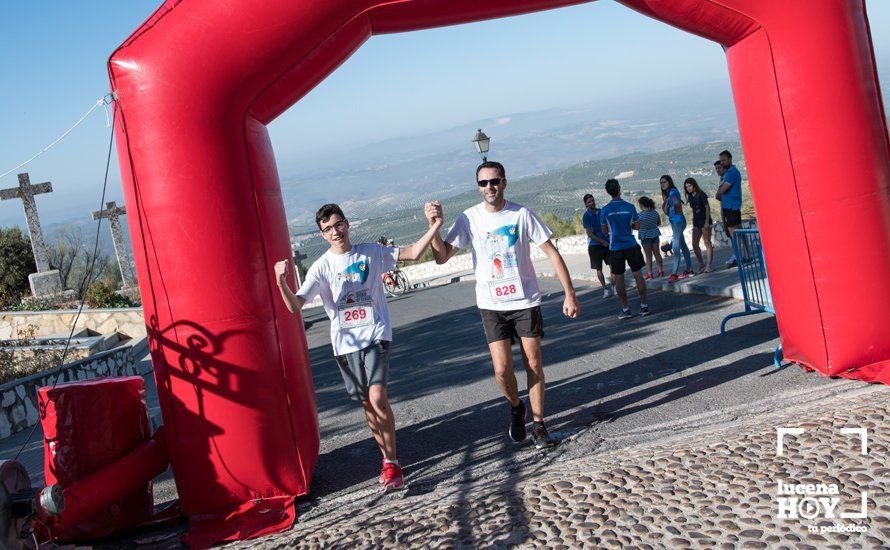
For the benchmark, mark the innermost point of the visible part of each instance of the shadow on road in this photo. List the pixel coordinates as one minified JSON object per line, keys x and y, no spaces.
{"x":448,"y":350}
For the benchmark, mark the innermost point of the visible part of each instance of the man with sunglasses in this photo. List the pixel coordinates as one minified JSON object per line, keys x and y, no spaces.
{"x":507,"y":291}
{"x":348,"y":279}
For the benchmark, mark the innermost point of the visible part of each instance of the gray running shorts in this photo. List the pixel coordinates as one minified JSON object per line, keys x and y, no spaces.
{"x":364,"y":368}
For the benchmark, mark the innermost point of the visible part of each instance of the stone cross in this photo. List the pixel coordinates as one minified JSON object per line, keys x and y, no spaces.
{"x":298,"y":262}
{"x":46,"y":281}
{"x":113,"y":212}
{"x":26,"y":192}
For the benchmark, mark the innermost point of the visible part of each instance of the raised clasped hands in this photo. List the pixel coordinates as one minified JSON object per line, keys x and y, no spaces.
{"x":433,"y":212}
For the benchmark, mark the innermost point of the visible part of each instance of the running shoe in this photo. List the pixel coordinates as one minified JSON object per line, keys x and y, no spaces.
{"x":673,"y":278}
{"x":644,"y":310}
{"x":660,"y":273}
{"x":731,"y":264}
{"x":648,"y":277}
{"x":541,"y":438}
{"x":517,"y":422}
{"x":605,"y":293}
{"x":686,"y":273}
{"x":626,"y":314}
{"x":701,"y":269}
{"x":392,"y":477}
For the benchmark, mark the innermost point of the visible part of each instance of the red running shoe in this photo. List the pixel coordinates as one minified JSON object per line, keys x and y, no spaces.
{"x":672,"y":278}
{"x":647,"y":277}
{"x":686,"y":273}
{"x":391,"y":477}
{"x":660,"y":273}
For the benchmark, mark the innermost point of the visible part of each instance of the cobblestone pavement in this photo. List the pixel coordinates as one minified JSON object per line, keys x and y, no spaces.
{"x":709,"y":489}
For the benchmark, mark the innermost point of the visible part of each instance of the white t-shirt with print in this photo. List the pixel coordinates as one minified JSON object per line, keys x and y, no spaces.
{"x":505,"y":276}
{"x":351,"y":290}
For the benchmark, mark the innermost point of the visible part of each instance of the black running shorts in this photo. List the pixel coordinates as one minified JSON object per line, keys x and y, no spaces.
{"x":732,"y":218}
{"x":598,"y":254}
{"x":633,"y":256}
{"x":507,"y":325}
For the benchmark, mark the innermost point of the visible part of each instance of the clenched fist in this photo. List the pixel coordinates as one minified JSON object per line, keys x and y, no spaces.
{"x":282,"y":268}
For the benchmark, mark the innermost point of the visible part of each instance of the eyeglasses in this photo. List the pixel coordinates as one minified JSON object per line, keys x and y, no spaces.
{"x":492,"y":181}
{"x":340,"y":225}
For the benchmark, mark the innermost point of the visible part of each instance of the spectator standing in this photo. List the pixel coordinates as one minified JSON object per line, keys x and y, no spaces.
{"x":650,"y":236}
{"x":619,"y":218}
{"x":701,"y":223}
{"x":672,"y":206}
{"x":597,"y":245}
{"x":730,"y":196}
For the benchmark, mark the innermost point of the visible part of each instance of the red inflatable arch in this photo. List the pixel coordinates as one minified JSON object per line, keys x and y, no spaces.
{"x":198,"y":83}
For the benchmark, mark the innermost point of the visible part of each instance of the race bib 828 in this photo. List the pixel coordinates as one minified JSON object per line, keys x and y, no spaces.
{"x":506,"y":290}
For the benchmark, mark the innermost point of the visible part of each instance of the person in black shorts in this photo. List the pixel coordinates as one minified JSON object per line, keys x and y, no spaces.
{"x":701,"y":223}
{"x":618,"y":219}
{"x":730,"y":196}
{"x":500,"y":233}
{"x":597,"y":244}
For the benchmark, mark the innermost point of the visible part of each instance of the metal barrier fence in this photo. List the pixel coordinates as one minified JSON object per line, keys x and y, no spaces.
{"x":755,"y":281}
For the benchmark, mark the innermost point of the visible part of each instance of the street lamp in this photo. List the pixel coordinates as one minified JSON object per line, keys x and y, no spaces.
{"x":481,"y":143}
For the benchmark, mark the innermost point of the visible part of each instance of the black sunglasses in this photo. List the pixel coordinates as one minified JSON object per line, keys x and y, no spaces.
{"x":492,"y":181}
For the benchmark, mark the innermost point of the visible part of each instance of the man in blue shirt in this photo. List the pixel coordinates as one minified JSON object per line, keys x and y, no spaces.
{"x":597,"y":245}
{"x":618,"y":219}
{"x":730,"y":196}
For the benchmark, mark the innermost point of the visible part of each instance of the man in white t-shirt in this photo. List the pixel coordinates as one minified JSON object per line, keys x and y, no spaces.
{"x":507,"y":291}
{"x":349,"y":280}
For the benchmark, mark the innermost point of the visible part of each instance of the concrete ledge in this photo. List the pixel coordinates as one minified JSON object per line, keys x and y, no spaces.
{"x":127,"y":321}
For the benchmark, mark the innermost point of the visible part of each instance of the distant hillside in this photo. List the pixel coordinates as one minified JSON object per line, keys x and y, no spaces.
{"x":557,"y":191}
{"x":396,"y":173}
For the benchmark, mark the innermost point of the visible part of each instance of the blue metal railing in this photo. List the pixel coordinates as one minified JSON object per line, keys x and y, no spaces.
{"x":755,"y":281}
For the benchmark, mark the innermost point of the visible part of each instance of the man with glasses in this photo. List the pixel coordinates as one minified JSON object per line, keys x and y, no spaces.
{"x":348,"y":279}
{"x":507,"y":291}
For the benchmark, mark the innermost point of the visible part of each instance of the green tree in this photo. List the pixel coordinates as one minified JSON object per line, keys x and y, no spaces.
{"x":559,"y":226}
{"x":16,"y":262}
{"x":578,"y":223}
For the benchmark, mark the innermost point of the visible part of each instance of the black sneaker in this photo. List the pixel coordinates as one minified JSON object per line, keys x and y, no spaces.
{"x":541,"y":438}
{"x":644,"y":310}
{"x":517,"y":422}
{"x":626,"y":314}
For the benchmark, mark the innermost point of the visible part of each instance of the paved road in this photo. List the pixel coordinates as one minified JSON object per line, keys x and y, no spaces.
{"x":615,"y":380}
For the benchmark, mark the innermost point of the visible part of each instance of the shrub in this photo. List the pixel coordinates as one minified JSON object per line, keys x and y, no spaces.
{"x":40,"y":303}
{"x":559,"y":226}
{"x":103,"y":294}
{"x":16,"y":262}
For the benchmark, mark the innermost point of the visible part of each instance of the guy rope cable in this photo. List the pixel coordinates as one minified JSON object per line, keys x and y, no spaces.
{"x":107,"y":100}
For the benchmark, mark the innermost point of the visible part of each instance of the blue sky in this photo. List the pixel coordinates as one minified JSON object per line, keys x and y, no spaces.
{"x":53,"y":56}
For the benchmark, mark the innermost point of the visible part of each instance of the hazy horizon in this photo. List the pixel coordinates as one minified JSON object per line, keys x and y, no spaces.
{"x":399,"y":92}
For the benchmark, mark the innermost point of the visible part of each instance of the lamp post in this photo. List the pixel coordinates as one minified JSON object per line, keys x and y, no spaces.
{"x":481,"y":142}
